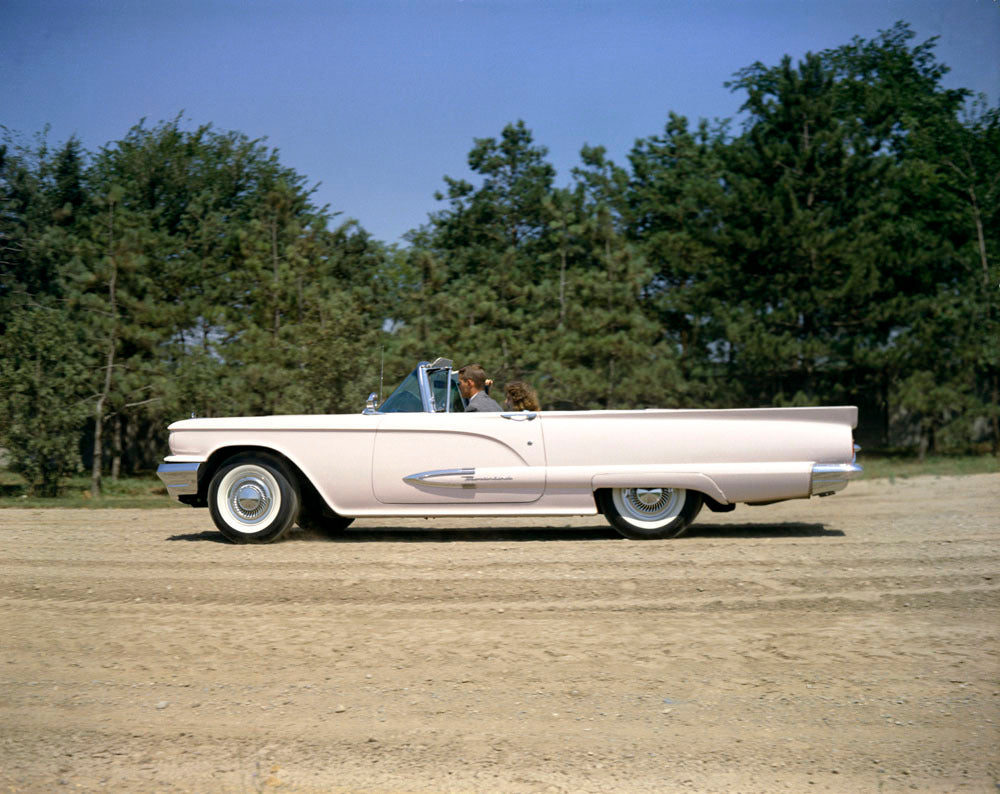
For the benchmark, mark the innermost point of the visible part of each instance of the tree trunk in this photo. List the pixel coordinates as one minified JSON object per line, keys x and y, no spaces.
{"x":116,"y":449}
{"x":977,"y":218}
{"x":996,"y":414}
{"x":98,"y":461}
{"x":984,"y":264}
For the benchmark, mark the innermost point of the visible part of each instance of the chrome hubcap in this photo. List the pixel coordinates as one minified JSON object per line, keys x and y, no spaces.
{"x":649,"y":508}
{"x":648,"y":501}
{"x":649,"y":497}
{"x":250,"y":498}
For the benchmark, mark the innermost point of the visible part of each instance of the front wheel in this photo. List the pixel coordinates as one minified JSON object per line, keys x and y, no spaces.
{"x":253,"y":498}
{"x":649,"y":513}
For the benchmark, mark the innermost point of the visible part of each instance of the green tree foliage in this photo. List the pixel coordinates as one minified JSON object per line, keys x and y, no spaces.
{"x":41,"y":200}
{"x":472,"y":269}
{"x":825,"y":253}
{"x":674,"y":213}
{"x":197,"y":276}
{"x":44,"y":375}
{"x":538,"y":282}
{"x":955,"y":167}
{"x":41,"y":406}
{"x":807,"y":239}
{"x":601,"y":348}
{"x":840,"y":267}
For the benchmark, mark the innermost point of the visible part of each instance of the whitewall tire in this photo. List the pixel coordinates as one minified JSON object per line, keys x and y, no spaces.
{"x":253,"y":498}
{"x":649,"y":513}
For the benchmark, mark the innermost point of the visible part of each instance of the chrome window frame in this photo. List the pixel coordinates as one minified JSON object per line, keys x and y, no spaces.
{"x":424,"y":370}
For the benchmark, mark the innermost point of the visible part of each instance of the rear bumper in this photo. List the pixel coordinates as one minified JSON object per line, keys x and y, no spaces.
{"x":828,"y":478}
{"x":181,"y":479}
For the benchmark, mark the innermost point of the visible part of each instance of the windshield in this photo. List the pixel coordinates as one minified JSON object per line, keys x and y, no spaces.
{"x":406,"y":398}
{"x":440,"y":383}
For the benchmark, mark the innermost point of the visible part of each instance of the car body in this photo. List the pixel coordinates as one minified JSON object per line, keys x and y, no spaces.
{"x":418,"y":454}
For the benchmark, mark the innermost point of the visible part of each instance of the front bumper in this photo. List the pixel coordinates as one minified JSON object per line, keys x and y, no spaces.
{"x":181,"y":479}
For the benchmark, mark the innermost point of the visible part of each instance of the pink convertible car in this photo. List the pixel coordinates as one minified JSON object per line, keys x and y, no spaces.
{"x":417,"y":454}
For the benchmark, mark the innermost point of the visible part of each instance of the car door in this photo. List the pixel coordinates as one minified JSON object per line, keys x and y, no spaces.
{"x":449,"y":458}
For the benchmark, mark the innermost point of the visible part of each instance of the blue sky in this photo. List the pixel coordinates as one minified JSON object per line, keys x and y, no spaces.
{"x":378,"y":99}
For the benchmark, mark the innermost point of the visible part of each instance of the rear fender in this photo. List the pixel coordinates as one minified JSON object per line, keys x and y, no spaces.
{"x":644,"y":479}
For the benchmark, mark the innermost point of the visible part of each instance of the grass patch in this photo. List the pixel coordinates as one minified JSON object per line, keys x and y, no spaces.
{"x":904,"y":466}
{"x":142,"y":492}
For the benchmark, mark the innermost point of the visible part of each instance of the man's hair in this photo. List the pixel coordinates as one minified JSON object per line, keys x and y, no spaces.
{"x":475,"y":373}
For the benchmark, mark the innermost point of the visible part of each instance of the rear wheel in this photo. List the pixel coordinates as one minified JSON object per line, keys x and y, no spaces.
{"x":253,"y":498}
{"x":649,"y":513}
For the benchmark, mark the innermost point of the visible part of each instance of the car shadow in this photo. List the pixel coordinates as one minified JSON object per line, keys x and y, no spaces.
{"x":787,"y":529}
{"x":207,"y":536}
{"x":390,"y":534}
{"x":411,"y":535}
{"x":486,"y":534}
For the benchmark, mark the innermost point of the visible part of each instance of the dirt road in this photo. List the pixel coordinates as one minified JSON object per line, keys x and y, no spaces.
{"x":847,"y":644}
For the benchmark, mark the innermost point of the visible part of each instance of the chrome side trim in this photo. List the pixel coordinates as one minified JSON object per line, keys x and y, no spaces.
{"x":428,"y":477}
{"x":181,"y":479}
{"x":828,"y":478}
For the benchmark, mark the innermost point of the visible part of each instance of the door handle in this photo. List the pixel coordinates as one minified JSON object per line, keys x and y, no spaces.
{"x":520,"y":416}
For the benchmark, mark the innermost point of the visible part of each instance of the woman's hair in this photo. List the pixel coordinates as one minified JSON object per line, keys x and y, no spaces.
{"x":521,"y":397}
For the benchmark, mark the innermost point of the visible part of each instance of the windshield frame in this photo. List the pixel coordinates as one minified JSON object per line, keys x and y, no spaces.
{"x":425,"y":389}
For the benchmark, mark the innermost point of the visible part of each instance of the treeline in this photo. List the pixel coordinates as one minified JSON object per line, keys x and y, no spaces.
{"x":171,"y":272}
{"x":839,"y":247}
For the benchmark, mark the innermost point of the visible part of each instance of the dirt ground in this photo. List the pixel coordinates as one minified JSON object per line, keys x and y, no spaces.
{"x":847,"y":644}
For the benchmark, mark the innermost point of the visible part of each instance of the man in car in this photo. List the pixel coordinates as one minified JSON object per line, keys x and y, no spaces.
{"x":472,"y":386}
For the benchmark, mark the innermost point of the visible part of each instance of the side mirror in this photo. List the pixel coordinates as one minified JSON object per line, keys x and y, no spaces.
{"x":371,"y":404}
